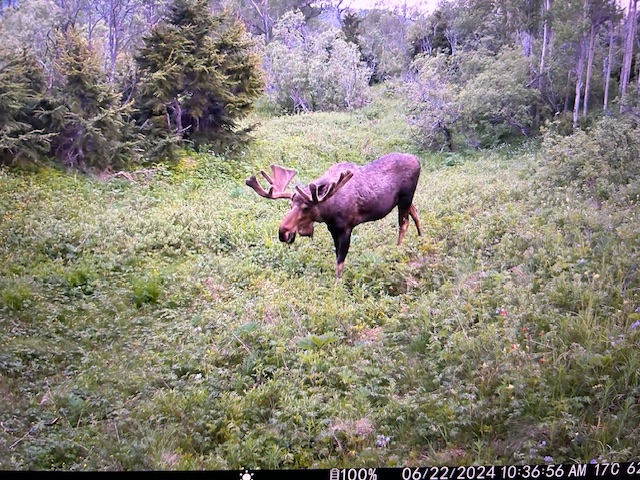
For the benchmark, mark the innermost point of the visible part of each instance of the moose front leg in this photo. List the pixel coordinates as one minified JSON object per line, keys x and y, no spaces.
{"x":341,"y":240}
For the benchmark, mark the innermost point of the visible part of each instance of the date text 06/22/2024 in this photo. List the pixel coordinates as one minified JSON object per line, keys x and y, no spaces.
{"x":502,"y":472}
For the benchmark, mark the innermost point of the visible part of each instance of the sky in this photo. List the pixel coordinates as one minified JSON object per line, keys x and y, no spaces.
{"x":423,"y":5}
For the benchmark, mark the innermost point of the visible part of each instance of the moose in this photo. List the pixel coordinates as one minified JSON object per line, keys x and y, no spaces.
{"x":346,"y":195}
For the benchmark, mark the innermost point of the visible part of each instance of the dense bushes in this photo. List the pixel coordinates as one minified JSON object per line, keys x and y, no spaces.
{"x":319,"y":72}
{"x":600,"y":163}
{"x":89,"y":122}
{"x":484,"y":100}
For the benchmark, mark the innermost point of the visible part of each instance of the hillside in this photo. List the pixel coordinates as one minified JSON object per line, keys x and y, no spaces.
{"x":154,"y":320}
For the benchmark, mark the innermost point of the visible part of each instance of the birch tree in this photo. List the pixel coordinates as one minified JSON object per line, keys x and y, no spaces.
{"x":629,"y":41}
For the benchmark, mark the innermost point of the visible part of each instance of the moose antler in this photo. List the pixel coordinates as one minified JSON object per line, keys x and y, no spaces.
{"x":279,"y":179}
{"x":320,"y":193}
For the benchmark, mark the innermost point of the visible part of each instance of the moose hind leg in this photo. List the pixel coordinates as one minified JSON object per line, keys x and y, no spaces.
{"x":416,"y":219}
{"x":403,"y":222}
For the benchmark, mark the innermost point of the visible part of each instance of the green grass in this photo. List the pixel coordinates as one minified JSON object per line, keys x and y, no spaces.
{"x":160,"y":324}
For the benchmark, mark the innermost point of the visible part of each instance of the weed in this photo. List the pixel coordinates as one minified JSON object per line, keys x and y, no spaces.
{"x":160,"y":324}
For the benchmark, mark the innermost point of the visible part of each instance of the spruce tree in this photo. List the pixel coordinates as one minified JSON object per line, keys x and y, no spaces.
{"x":93,"y":130}
{"x":22,"y":101}
{"x":199,"y":75}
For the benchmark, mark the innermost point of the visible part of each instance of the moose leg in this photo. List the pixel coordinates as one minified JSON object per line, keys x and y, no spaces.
{"x":403,"y":221}
{"x":416,"y":219}
{"x":341,"y":240}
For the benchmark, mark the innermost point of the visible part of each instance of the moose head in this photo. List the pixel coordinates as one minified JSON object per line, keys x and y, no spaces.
{"x":346,"y":195}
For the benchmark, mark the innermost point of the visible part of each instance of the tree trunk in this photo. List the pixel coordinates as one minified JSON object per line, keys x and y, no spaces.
{"x":567,"y":90}
{"x":579,"y":81}
{"x":545,"y":39}
{"x":263,"y":12}
{"x":630,"y":33}
{"x":607,"y":79}
{"x":587,"y":80}
{"x":546,"y":7}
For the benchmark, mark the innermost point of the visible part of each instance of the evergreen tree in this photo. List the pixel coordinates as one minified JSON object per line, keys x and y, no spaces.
{"x":199,"y":75}
{"x":92,"y":126}
{"x":22,"y":99}
{"x":351,"y":26}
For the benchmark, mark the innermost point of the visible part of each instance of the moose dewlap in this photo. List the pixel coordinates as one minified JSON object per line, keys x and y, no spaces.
{"x":346,"y":195}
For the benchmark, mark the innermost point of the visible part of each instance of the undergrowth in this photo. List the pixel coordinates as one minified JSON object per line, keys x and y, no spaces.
{"x":156,"y":322}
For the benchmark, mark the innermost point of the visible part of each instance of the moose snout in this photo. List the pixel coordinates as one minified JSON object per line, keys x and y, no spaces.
{"x":286,"y":236}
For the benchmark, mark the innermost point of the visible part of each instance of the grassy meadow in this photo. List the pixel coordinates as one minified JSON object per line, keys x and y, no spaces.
{"x":154,"y":321}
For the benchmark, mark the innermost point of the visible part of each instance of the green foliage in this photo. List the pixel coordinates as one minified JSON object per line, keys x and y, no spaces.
{"x":383,"y":44}
{"x":199,"y":76}
{"x":22,"y":92}
{"x":497,"y":103}
{"x":481,"y":100}
{"x":16,"y":297}
{"x":600,"y":164}
{"x":92,"y":129}
{"x":160,"y":325}
{"x":429,"y":34}
{"x":431,"y":100}
{"x":145,"y":291}
{"x":314,"y":72}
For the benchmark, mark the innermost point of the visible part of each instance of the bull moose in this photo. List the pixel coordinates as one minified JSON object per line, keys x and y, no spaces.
{"x":346,"y":195}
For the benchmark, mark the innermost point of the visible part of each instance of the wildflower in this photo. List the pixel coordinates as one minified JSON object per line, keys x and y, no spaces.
{"x":543,"y":443}
{"x":592,"y":461}
{"x":548,"y":459}
{"x":635,"y":325}
{"x":382,"y":441}
{"x":618,"y":341}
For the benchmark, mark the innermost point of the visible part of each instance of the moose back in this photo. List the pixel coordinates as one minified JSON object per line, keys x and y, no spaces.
{"x":346,"y":195}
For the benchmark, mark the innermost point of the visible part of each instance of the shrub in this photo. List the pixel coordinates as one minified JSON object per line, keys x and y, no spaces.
{"x":314,"y":72}
{"x":600,"y":163}
{"x":16,"y":297}
{"x":496,"y":102}
{"x":483,"y":99}
{"x":432,"y":102}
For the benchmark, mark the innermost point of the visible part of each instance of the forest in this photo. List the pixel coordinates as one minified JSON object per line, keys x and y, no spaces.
{"x":113,"y":84}
{"x":150,"y":318}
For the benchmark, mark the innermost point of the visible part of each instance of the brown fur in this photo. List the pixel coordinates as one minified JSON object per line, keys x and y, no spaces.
{"x":345,"y":196}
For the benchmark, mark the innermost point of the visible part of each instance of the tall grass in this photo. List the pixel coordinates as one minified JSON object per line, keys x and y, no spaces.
{"x":159,"y":324}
